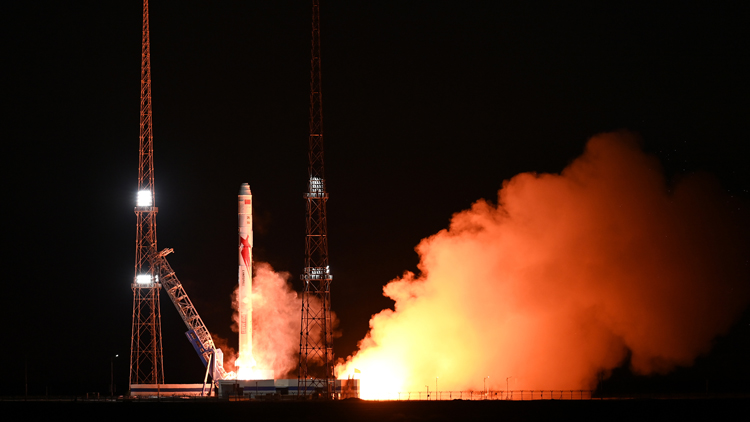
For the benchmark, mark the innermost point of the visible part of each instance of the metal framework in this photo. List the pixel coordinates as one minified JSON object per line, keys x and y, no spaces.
{"x":197,"y":333}
{"x":146,"y":359}
{"x":316,"y":334}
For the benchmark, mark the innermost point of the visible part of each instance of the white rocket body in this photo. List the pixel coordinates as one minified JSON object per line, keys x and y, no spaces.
{"x":244,"y":293}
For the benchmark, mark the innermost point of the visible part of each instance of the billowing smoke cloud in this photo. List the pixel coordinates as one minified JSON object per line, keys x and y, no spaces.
{"x":229,"y":352}
{"x":276,"y":323}
{"x":276,"y":317}
{"x":564,"y":278}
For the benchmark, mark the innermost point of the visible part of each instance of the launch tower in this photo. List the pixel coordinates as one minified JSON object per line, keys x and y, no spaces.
{"x":146,"y":362}
{"x":316,"y":335}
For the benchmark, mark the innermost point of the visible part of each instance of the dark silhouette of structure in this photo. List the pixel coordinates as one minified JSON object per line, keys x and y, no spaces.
{"x":316,"y":336}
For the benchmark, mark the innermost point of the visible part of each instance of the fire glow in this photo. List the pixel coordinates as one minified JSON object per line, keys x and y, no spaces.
{"x":563,"y":280}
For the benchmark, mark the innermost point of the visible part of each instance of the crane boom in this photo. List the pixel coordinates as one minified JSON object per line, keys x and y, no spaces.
{"x":197,"y":333}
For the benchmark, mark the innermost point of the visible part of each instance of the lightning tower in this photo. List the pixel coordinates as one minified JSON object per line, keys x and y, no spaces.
{"x":316,"y":335}
{"x":146,"y":362}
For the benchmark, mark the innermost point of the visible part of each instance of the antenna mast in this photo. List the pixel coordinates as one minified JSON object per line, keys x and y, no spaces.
{"x":146,"y":361}
{"x":316,"y":335}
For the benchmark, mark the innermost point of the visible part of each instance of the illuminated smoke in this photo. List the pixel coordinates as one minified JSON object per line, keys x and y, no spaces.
{"x":561,"y":279}
{"x":276,"y":324}
{"x":229,"y":352}
{"x":276,"y":316}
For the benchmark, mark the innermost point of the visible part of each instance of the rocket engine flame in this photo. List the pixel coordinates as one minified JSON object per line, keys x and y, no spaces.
{"x":563,"y":279}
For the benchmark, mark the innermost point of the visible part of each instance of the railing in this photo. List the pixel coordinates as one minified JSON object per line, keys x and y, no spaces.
{"x":499,"y":395}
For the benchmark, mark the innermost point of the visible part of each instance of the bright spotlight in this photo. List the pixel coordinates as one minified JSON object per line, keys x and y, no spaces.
{"x":143,"y":279}
{"x":144,"y":198}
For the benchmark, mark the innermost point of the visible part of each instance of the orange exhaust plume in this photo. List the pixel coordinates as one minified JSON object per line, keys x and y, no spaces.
{"x":563,"y":279}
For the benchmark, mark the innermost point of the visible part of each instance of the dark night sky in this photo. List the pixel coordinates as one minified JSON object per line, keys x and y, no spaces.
{"x":428,"y":107}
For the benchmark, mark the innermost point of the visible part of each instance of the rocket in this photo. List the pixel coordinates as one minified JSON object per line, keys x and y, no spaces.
{"x":245,"y":281}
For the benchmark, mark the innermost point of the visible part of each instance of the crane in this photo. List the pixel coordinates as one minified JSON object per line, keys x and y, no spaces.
{"x":198,"y":335}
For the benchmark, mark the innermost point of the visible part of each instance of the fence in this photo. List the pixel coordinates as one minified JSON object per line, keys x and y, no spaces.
{"x":499,"y":395}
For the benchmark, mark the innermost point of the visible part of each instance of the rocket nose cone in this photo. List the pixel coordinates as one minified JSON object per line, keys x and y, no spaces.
{"x":245,"y":189}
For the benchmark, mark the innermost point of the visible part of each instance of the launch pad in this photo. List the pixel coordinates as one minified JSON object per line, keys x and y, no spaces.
{"x":344,"y":389}
{"x":249,"y":389}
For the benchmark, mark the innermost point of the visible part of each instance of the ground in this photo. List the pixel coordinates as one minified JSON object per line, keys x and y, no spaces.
{"x":356,"y":410}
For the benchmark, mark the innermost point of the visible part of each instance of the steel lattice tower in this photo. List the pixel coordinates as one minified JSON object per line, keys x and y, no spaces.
{"x":316,"y":334}
{"x":146,"y":363}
